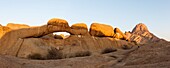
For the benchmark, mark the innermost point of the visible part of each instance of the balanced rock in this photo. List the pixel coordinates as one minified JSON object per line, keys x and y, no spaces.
{"x":119,"y":34}
{"x":17,"y":26}
{"x":79,"y":29}
{"x":101,"y":30}
{"x":58,"y":22}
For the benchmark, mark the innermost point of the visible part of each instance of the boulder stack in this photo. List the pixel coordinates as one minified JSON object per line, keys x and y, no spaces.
{"x":101,"y":30}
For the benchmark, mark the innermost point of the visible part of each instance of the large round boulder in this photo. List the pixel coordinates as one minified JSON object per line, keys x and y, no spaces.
{"x":79,"y":29}
{"x":58,"y":22}
{"x":101,"y":30}
{"x":17,"y":26}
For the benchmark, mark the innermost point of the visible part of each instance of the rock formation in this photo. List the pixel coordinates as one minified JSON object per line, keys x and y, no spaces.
{"x":79,"y":26}
{"x":119,"y":34}
{"x":79,"y":29}
{"x":17,"y":26}
{"x":3,"y":30}
{"x":58,"y":22}
{"x":11,"y":42}
{"x":141,"y":34}
{"x":101,"y":30}
{"x":16,"y":42}
{"x":11,"y":26}
{"x":102,"y":49}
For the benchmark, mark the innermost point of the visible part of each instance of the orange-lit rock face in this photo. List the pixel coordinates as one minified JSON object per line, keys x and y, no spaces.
{"x":3,"y":30}
{"x":17,"y":26}
{"x":101,"y":30}
{"x":79,"y":26}
{"x":58,"y":22}
{"x":79,"y":29}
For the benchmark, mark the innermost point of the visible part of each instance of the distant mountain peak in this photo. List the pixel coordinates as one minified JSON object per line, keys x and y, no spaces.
{"x":140,"y":27}
{"x":141,"y":34}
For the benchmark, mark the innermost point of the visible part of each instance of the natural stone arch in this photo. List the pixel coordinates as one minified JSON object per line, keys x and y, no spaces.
{"x":11,"y":41}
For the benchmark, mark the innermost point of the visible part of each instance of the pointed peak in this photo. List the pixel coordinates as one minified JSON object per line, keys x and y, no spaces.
{"x":140,"y":27}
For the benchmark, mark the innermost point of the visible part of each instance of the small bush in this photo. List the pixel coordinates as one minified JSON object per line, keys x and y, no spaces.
{"x":82,"y":54}
{"x":54,"y":54}
{"x":108,"y":50}
{"x":35,"y":56}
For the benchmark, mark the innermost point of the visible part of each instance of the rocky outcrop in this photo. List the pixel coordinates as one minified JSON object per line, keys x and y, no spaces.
{"x":79,"y":26}
{"x":3,"y":30}
{"x":101,"y":30}
{"x":11,"y":26}
{"x":17,"y":26}
{"x":119,"y":34}
{"x":73,"y":46}
{"x":141,"y":34}
{"x":58,"y":22}
{"x":79,"y":29}
{"x":28,"y":42}
{"x":10,"y":42}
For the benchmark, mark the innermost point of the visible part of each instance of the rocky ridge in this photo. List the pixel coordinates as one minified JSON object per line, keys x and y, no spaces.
{"x":101,"y":47}
{"x":141,"y":34}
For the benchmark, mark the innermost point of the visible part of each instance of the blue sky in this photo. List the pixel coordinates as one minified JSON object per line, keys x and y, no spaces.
{"x":124,"y":14}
